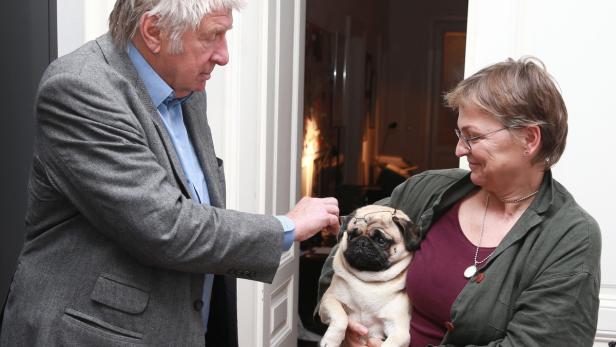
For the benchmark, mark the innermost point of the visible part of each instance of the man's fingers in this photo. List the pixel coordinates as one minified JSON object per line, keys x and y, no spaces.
{"x":333,"y":226}
{"x":333,"y":209}
{"x":311,"y":215}
{"x":330,"y":201}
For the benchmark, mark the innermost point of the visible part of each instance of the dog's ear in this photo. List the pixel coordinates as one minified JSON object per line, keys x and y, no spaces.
{"x":344,"y":222}
{"x":410,"y":233}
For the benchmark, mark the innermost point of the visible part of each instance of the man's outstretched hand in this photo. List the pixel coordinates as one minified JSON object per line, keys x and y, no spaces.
{"x":311,"y":215}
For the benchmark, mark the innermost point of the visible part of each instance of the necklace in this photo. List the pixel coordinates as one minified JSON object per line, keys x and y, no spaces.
{"x":518,"y":200}
{"x":472,"y":270}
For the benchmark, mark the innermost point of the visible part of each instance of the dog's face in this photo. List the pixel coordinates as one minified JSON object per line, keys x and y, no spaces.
{"x":377,"y":237}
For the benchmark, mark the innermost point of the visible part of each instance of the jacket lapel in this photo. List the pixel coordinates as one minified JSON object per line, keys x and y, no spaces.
{"x":195,"y":118}
{"x":120,"y":62}
{"x":531,"y":217}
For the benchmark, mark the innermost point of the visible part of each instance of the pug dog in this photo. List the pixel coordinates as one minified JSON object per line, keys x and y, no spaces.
{"x":369,"y":281}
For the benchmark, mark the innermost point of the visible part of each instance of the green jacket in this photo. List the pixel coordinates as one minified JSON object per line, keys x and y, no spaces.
{"x":541,"y":285}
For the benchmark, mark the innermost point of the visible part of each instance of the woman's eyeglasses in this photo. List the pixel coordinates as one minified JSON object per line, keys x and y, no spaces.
{"x":467,"y":140}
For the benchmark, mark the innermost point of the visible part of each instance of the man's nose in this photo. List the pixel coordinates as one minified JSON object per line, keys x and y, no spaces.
{"x":221,"y":53}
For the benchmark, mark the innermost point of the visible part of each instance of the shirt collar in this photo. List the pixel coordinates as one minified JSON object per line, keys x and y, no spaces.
{"x":158,"y":89}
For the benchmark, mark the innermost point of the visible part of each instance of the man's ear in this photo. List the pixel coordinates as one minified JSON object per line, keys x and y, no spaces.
{"x":150,"y":33}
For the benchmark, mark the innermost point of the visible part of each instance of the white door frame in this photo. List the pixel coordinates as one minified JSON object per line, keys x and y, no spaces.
{"x":255,"y":107}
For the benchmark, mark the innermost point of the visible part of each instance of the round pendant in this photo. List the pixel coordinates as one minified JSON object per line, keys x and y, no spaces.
{"x":470,"y":271}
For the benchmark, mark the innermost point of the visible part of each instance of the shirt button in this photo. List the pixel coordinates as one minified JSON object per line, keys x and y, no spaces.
{"x":480,"y":276}
{"x":449,"y":326}
{"x":198,"y":305}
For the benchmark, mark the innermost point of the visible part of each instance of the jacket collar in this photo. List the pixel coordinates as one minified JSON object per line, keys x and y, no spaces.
{"x":194,"y":114}
{"x":463,"y":186}
{"x":531,"y":217}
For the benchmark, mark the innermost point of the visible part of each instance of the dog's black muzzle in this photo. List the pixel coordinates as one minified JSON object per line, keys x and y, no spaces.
{"x":364,"y":254}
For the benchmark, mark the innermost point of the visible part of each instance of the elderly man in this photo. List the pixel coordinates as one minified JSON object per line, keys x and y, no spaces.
{"x":128,"y":242}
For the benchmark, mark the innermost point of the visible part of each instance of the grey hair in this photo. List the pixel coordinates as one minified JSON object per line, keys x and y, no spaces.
{"x":519,"y":93}
{"x":174,"y":17}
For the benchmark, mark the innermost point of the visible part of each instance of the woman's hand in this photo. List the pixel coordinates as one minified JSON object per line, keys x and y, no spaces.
{"x":357,"y":336}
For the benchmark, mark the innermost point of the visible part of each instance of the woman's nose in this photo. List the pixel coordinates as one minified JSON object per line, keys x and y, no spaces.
{"x":461,"y":149}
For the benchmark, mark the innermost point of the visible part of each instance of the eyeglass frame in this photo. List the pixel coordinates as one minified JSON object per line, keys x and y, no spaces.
{"x":467,"y":140}
{"x":363,"y":218}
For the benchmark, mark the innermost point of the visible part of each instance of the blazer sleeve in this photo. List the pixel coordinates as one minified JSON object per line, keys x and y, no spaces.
{"x":96,"y":155}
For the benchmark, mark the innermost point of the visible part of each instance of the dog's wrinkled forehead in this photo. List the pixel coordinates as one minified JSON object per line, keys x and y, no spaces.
{"x":368,"y":215}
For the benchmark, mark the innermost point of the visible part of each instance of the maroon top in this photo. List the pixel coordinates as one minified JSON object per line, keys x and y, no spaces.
{"x":436,"y":277}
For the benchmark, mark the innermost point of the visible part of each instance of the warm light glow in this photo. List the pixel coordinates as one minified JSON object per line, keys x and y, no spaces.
{"x":310,"y":153}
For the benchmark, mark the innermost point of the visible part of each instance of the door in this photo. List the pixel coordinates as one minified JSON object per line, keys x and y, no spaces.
{"x":29,"y":44}
{"x":254,"y":111}
{"x":447,"y":69}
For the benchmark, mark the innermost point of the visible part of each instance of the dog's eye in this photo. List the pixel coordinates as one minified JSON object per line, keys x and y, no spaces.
{"x":379,"y":238}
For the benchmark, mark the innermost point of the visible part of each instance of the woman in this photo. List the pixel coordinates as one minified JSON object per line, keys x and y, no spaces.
{"x":508,"y":258}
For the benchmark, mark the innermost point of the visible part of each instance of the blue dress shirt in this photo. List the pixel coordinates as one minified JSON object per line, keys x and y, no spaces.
{"x":170,"y":109}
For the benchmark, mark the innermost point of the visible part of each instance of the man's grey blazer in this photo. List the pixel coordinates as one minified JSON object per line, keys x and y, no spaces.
{"x":115,"y":248}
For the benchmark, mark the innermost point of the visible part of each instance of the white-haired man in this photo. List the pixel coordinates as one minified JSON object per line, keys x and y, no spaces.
{"x":128,"y":242}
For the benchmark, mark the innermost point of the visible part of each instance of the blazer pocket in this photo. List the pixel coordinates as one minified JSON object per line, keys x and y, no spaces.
{"x":120,"y":294}
{"x":100,"y":327}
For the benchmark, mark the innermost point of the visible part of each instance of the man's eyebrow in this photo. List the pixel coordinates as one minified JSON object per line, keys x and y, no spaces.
{"x":218,"y":27}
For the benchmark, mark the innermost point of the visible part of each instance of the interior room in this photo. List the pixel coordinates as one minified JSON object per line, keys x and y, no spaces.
{"x":375,"y":74}
{"x":358,"y":84}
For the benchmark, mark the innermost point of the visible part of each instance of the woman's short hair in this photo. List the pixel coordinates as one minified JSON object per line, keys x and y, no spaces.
{"x":518,"y":93}
{"x":174,"y":17}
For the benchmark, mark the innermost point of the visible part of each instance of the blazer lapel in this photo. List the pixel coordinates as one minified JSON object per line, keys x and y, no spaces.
{"x":120,"y":62}
{"x":195,"y":118}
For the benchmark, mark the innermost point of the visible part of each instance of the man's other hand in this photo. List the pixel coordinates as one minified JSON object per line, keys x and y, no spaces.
{"x":311,"y":215}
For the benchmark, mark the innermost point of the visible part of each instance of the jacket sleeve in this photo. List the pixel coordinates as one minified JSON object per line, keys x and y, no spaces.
{"x":96,"y":155}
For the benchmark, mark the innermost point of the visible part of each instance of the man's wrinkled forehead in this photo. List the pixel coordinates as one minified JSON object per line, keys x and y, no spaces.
{"x":218,"y":19}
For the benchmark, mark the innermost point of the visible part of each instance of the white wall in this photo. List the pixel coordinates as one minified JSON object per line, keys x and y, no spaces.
{"x":80,"y":21}
{"x":575,"y":39}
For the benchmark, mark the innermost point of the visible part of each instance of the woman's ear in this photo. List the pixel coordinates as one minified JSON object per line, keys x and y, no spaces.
{"x":150,"y":33}
{"x":532,"y":140}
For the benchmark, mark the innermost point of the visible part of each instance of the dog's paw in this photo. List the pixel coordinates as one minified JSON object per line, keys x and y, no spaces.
{"x":395,"y":343}
{"x":327,"y":341}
